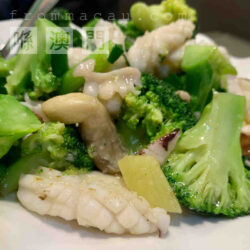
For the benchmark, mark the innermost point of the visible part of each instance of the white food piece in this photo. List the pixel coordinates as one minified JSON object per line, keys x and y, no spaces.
{"x":76,"y":55}
{"x":94,"y":200}
{"x":111,"y":87}
{"x":105,"y":31}
{"x":146,"y":51}
{"x":162,"y":147}
{"x":96,"y":126}
{"x":35,"y":107}
{"x":84,"y":68}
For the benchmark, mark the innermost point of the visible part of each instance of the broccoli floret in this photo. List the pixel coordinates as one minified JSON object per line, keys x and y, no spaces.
{"x":157,"y":109}
{"x":150,"y":17}
{"x":62,"y":143}
{"x":54,"y":145}
{"x":206,"y":169}
{"x":204,"y":67}
{"x":76,"y":149}
{"x":6,"y":66}
{"x":35,"y":69}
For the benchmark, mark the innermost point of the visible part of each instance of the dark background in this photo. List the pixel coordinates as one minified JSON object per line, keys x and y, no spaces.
{"x":230,"y":16}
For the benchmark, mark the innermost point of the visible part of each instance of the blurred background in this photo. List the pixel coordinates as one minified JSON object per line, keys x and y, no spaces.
{"x":229,"y":17}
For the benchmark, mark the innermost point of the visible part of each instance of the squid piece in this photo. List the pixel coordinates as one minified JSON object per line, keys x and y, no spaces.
{"x":76,"y":55}
{"x":111,"y":87}
{"x":147,"y":51}
{"x":94,"y":200}
{"x":105,"y":31}
{"x":162,"y":147}
{"x":96,"y":126}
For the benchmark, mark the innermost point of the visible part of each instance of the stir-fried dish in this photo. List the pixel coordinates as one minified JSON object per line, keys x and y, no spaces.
{"x":121,"y":123}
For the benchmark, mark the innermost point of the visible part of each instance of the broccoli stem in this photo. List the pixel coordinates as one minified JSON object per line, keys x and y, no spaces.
{"x":204,"y":67}
{"x":20,"y":78}
{"x":206,"y":169}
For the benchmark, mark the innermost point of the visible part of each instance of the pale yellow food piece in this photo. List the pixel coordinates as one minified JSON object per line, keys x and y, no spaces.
{"x":143,"y":175}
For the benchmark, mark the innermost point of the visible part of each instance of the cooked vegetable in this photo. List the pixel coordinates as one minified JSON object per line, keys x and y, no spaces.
{"x":143,"y":175}
{"x":54,"y":145}
{"x":204,"y":67}
{"x":13,"y":154}
{"x":45,"y":81}
{"x":6,"y":66}
{"x":206,"y":169}
{"x":115,"y":53}
{"x":16,"y":121}
{"x":150,"y":17}
{"x":10,"y":176}
{"x":93,"y":199}
{"x":63,"y":143}
{"x":34,"y":71}
{"x":18,"y":82}
{"x":157,"y":109}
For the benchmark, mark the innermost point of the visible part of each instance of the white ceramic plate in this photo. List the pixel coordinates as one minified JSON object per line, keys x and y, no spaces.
{"x":23,"y":230}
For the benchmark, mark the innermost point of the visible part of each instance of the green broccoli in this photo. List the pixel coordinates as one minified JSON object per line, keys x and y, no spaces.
{"x":16,"y":121}
{"x":150,"y":17}
{"x":204,"y":67}
{"x":206,"y":170}
{"x":63,"y":144}
{"x":54,"y":145}
{"x":35,"y":69}
{"x":6,"y":66}
{"x":157,"y":109}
